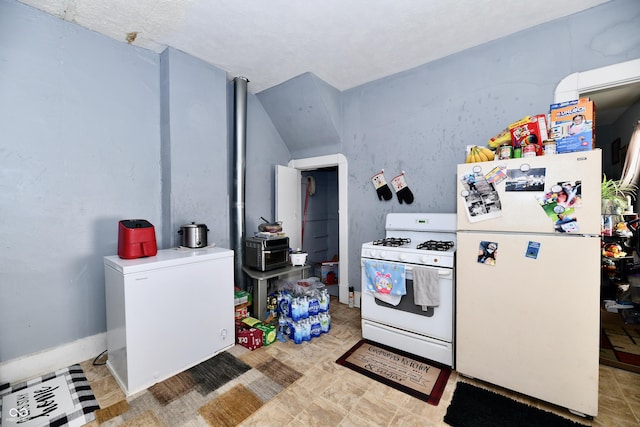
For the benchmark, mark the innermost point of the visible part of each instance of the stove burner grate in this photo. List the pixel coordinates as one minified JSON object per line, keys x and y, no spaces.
{"x":436,"y":245}
{"x":392,"y":241}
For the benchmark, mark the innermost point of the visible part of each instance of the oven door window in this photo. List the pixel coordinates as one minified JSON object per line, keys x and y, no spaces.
{"x":276,"y":257}
{"x":407,"y":303}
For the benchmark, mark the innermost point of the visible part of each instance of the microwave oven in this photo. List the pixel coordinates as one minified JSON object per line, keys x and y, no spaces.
{"x":266,"y":254}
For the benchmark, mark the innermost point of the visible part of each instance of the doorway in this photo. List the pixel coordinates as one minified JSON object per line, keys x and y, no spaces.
{"x":613,"y":88}
{"x":320,"y":237}
{"x":333,"y":170}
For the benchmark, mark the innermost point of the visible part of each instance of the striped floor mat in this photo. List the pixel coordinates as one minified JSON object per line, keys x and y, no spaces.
{"x":61,"y":398}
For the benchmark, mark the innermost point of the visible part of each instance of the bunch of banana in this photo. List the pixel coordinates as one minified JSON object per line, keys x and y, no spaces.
{"x":479,"y":154}
{"x":502,"y":138}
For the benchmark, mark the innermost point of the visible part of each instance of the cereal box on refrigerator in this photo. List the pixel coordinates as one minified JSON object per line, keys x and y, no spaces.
{"x":529,"y":131}
{"x":573,"y":125}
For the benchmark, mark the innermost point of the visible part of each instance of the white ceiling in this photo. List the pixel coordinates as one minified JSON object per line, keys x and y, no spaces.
{"x":344,"y":42}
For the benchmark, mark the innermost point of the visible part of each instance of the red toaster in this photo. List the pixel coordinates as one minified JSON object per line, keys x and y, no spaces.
{"x":136,"y":239}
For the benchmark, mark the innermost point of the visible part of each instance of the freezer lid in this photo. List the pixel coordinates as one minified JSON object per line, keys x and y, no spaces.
{"x":165,"y":258}
{"x":543,"y":194}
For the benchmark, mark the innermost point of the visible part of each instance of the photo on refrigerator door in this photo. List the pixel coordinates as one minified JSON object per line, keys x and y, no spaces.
{"x":487,"y":252}
{"x":532,"y":250}
{"x":558,"y":204}
{"x":525,"y":179}
{"x":567,"y":194}
{"x":562,"y":219}
{"x":566,"y":223}
{"x":480,"y":196}
{"x":496,"y":175}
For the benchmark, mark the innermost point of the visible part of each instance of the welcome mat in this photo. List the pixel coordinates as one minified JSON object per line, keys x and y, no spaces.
{"x":61,"y":398}
{"x":476,"y":407}
{"x":619,"y":343}
{"x":414,"y":375}
{"x":222,"y":391}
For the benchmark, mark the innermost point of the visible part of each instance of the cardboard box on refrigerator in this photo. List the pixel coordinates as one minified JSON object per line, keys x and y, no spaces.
{"x":573,"y":125}
{"x":531,"y":130}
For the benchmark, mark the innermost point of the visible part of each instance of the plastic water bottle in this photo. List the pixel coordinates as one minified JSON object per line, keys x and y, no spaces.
{"x":282,"y":328}
{"x":316,"y":329}
{"x":304,"y":307}
{"x":323,"y":301}
{"x":290,"y":328}
{"x":296,"y":309}
{"x":324,"y":322}
{"x":297,"y":332}
{"x":284,"y":304}
{"x":306,"y":329}
{"x":314,"y":306}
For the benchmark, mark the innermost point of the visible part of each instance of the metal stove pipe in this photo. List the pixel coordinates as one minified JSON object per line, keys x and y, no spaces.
{"x":239,"y":174}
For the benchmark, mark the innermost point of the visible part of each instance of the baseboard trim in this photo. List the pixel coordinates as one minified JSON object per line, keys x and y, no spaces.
{"x":43,"y":362}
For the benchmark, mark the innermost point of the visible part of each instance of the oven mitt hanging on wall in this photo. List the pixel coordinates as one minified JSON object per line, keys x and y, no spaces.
{"x":383,"y":190}
{"x":402,"y":190}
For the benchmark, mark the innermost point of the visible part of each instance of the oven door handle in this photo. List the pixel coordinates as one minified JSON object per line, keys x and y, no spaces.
{"x":443,"y":272}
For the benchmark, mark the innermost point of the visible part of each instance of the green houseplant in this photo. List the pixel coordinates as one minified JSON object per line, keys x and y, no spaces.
{"x":614,"y":195}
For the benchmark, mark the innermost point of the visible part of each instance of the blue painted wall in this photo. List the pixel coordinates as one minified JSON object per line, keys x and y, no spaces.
{"x":95,"y":130}
{"x":79,"y":115}
{"x":265,"y":150}
{"x":307,"y":113}
{"x":420,"y":121}
{"x":194,"y":148}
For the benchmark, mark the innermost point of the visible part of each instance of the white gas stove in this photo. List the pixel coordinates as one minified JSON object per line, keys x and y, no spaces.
{"x":421,"y":239}
{"x":413,"y":241}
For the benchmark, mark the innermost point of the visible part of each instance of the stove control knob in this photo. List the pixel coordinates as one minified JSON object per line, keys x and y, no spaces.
{"x":372,"y":254}
{"x":383,"y":254}
{"x":424,"y":259}
{"x":402,"y":257}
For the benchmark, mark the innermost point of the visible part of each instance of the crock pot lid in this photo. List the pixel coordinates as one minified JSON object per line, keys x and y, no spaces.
{"x":194,"y":225}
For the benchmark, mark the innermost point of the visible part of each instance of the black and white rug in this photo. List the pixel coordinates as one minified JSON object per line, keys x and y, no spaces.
{"x":61,"y":398}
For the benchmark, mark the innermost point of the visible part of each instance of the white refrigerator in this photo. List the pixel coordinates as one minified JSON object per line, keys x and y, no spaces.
{"x":528,"y":276}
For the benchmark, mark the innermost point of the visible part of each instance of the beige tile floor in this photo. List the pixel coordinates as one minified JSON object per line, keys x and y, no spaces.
{"x":331,"y":395}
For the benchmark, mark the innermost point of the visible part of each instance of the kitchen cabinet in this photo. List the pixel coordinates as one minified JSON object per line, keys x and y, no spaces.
{"x":167,"y":313}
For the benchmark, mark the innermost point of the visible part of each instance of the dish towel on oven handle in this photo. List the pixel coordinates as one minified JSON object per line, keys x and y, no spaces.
{"x":386,"y":281}
{"x":426,"y":287}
